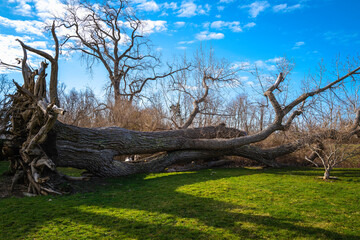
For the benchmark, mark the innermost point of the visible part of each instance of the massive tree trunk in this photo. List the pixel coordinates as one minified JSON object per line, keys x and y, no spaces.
{"x":95,"y":149}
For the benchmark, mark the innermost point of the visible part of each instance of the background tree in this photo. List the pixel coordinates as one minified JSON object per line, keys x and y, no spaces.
{"x":82,"y":108}
{"x":193,"y":92}
{"x":5,"y":100}
{"x":330,"y":116}
{"x":332,"y":147}
{"x":5,"y":90}
{"x":110,"y":33}
{"x":335,"y":152}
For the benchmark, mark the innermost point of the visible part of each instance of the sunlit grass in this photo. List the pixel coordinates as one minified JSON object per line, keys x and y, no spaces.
{"x":209,"y":204}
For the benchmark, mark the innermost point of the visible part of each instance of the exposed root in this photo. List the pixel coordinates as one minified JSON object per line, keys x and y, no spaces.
{"x":32,"y":117}
{"x":17,"y":177}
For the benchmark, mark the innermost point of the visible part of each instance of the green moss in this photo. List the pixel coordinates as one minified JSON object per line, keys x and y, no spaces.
{"x":70,"y":171}
{"x":209,"y":204}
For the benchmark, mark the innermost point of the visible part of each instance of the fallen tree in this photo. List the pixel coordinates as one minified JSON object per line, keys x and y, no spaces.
{"x":39,"y":143}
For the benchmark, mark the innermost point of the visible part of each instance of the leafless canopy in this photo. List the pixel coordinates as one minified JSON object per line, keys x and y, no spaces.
{"x":198,"y":86}
{"x":110,"y":33}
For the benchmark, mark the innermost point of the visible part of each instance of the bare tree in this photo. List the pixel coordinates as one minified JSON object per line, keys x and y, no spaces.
{"x":82,"y":108}
{"x":5,"y":90}
{"x":332,"y":147}
{"x":110,"y":33}
{"x":198,"y":87}
{"x":5,"y":104}
{"x":330,"y":116}
{"x":243,"y":114}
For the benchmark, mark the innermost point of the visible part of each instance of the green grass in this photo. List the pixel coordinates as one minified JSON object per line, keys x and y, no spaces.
{"x":209,"y":204}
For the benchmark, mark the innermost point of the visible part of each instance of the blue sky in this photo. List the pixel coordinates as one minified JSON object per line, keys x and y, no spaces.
{"x":242,"y":31}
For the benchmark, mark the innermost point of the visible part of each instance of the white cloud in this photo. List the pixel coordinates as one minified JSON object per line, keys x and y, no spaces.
{"x":189,"y":9}
{"x":171,"y":5}
{"x":186,"y":42}
{"x":298,"y":45}
{"x":11,"y":49}
{"x":29,"y":27}
{"x":233,"y":26}
{"x":249,"y":25}
{"x":275,"y":60}
{"x":206,"y":24}
{"x":256,"y":7}
{"x":166,"y":6}
{"x":259,"y":63}
{"x":264,"y":65}
{"x":48,"y":8}
{"x":226,"y":1}
{"x":150,"y":26}
{"x":285,"y":8}
{"x":220,"y":8}
{"x":148,"y":6}
{"x":206,"y":35}
{"x":280,"y":7}
{"x":341,"y":37}
{"x":250,"y":83}
{"x":179,"y":24}
{"x":218,"y":24}
{"x":268,"y":64}
{"x":204,"y":10}
{"x":23,"y":8}
{"x":241,"y":65}
{"x":182,"y":48}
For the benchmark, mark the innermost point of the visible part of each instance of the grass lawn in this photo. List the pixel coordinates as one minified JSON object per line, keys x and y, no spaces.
{"x":209,"y":204}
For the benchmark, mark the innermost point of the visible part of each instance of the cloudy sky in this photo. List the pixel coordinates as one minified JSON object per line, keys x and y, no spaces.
{"x":242,"y":31}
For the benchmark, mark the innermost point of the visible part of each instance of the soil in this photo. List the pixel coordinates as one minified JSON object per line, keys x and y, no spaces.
{"x":5,"y":183}
{"x":71,"y":187}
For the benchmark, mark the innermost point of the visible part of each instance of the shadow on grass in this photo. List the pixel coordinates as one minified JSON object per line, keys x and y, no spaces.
{"x":150,"y":198}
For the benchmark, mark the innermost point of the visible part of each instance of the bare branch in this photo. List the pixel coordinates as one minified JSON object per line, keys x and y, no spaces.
{"x":304,"y":96}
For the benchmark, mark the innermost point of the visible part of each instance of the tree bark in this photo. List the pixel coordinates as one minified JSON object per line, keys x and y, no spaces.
{"x":95,"y":149}
{"x":326,"y":173}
